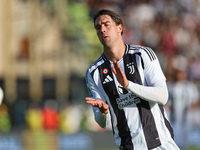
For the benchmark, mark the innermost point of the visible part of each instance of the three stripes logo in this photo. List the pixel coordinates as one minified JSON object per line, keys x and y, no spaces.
{"x":107,"y":79}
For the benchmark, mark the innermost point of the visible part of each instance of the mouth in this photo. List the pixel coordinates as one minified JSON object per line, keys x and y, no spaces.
{"x":104,"y":37}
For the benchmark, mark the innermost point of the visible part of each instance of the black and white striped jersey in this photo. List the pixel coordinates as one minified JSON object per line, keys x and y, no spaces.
{"x":136,"y":113}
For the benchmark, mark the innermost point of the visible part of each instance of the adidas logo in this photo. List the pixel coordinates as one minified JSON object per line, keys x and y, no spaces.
{"x":107,"y":79}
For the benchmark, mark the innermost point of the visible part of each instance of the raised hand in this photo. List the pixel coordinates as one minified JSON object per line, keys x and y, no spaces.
{"x":121,"y":78}
{"x":103,"y":107}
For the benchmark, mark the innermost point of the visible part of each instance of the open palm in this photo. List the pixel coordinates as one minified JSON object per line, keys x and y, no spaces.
{"x":121,"y":78}
{"x":103,"y":107}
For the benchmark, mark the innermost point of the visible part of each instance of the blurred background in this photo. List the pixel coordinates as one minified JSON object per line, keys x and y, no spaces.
{"x":46,"y":47}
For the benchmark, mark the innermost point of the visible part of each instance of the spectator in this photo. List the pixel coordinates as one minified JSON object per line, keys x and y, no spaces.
{"x":183,"y":98}
{"x":50,"y":116}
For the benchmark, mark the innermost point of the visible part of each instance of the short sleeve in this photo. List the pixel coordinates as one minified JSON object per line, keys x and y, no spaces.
{"x":152,"y":69}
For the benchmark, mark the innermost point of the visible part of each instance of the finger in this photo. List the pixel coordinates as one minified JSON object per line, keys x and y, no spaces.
{"x":114,"y":71}
{"x":116,"y":64}
{"x":92,"y":103}
{"x":89,"y":99}
{"x":117,"y":67}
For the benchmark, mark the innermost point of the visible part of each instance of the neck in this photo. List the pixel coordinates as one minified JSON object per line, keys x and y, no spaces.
{"x":116,"y":53}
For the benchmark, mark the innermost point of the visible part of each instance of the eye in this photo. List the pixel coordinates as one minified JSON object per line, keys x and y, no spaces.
{"x":97,"y":27}
{"x":107,"y":24}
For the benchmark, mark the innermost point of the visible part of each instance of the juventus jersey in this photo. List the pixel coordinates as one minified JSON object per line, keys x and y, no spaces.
{"x":138,"y":121}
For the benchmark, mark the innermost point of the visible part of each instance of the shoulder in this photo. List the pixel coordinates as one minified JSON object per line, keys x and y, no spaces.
{"x":145,"y":52}
{"x":96,"y":64}
{"x":92,"y":71}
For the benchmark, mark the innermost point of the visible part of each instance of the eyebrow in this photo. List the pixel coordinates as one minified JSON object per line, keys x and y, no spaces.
{"x":101,"y":23}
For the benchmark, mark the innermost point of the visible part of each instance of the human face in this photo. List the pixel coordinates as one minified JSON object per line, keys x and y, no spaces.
{"x":107,"y":31}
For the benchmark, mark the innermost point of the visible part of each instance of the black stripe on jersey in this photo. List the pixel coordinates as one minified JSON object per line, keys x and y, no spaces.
{"x":111,"y":91}
{"x":134,"y":47}
{"x":146,"y":117}
{"x":167,"y":122}
{"x":97,"y":61}
{"x":150,"y":53}
{"x":104,"y":57}
{"x":148,"y":50}
{"x":127,"y":48}
{"x":142,"y":62}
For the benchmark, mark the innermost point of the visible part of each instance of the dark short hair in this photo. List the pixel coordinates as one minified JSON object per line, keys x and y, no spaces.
{"x":115,"y":17}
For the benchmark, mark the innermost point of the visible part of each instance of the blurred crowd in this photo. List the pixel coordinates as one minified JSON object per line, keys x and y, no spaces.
{"x":49,"y":116}
{"x":172,"y":29}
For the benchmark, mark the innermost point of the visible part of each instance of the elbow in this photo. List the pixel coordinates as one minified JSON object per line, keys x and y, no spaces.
{"x":165,"y":97}
{"x":162,"y":97}
{"x":163,"y":94}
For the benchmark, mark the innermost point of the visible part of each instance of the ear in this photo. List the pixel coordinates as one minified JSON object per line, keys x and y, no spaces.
{"x":120,"y":28}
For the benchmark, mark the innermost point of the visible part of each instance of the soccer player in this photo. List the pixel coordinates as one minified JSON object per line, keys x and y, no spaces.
{"x":128,"y":88}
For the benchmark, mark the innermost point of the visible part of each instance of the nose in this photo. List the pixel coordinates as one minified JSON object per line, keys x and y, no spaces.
{"x":103,"y":29}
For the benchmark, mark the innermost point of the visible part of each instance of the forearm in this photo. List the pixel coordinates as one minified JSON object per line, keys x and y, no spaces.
{"x":158,"y":94}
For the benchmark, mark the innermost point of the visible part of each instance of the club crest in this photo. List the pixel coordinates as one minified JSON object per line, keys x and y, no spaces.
{"x":131,"y":68}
